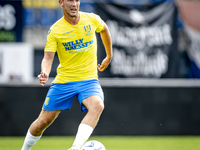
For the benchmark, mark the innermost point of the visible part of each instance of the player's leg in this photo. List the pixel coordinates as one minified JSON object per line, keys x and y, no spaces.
{"x":59,"y":97}
{"x":95,"y":106}
{"x":43,"y":121}
{"x":37,"y":128}
{"x":91,"y":99}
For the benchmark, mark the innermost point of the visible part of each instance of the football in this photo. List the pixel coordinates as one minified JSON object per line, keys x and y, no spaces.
{"x":93,"y":145}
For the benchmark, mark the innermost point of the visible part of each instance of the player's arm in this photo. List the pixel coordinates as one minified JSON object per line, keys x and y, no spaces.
{"x":107,"y":42}
{"x":46,"y":67}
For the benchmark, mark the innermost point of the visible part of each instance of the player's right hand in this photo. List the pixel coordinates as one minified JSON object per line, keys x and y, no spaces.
{"x":104,"y":64}
{"x":43,"y":77}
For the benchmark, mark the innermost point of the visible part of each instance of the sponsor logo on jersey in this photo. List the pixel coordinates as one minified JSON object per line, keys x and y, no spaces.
{"x":68,"y":32}
{"x":77,"y":44}
{"x":65,"y":37}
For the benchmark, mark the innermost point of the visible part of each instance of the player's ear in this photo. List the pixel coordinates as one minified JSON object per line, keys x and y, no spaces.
{"x":61,"y":2}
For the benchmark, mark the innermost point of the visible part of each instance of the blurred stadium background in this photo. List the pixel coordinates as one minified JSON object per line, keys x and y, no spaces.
{"x":151,"y":86}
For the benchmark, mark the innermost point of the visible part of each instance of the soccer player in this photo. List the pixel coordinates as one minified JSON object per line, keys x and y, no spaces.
{"x":73,"y":38}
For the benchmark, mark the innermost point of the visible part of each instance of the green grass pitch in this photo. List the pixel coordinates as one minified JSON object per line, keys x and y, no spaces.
{"x":110,"y":142}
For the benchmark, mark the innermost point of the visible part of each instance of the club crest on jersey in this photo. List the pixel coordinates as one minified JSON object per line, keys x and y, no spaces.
{"x":87,"y":28}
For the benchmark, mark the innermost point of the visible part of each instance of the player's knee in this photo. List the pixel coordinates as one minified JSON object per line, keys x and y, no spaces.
{"x":97,"y":108}
{"x":44,"y":123}
{"x":101,"y":107}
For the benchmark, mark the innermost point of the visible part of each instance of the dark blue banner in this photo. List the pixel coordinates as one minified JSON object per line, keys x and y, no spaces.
{"x":11,"y":21}
{"x":144,"y":40}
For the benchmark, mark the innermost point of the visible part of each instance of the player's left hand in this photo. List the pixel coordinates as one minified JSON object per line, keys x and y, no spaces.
{"x":104,"y":64}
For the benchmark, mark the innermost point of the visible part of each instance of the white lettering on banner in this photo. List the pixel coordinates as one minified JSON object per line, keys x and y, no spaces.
{"x":139,"y":64}
{"x":7,"y":17}
{"x":194,"y":47}
{"x":140,"y":37}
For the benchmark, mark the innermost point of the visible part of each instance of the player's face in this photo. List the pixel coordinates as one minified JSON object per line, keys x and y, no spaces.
{"x":71,"y":7}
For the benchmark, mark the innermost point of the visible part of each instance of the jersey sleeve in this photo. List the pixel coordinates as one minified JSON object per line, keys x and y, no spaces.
{"x":51,"y":44}
{"x":100,"y":23}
